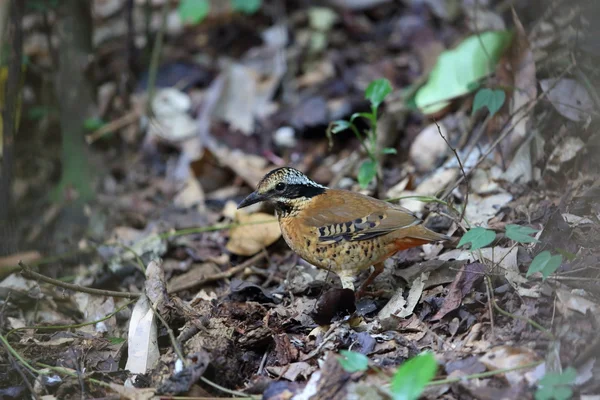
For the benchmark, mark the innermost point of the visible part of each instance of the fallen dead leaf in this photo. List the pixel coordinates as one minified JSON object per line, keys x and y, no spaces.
{"x":505,"y":357}
{"x":461,"y":286}
{"x":253,"y":236}
{"x":143,"y":352}
{"x":565,"y":151}
{"x":569,"y":97}
{"x":576,"y":303}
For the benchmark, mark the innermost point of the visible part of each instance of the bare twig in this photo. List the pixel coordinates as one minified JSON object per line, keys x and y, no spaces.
{"x":490,"y":293}
{"x":223,"y":275}
{"x":154,"y":61}
{"x":72,"y":326}
{"x":113,"y":126}
{"x":531,"y":322}
{"x":464,"y":209}
{"x":28,"y":273}
{"x":17,"y":367}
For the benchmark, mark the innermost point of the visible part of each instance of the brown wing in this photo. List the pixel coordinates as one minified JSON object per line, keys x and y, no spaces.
{"x":343,"y":215}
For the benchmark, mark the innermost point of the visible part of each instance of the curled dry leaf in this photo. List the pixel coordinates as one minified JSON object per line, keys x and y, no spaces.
{"x":256,"y":231}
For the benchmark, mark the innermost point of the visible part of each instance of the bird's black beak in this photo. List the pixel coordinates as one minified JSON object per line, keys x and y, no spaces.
{"x":252,"y":198}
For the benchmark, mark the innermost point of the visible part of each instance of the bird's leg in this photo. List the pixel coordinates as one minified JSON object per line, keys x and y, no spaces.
{"x":378,"y":269}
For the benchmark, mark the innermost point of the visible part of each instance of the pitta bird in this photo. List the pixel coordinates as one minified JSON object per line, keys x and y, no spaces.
{"x":340,"y":230}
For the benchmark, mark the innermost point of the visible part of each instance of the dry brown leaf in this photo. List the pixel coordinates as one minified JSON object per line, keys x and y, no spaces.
{"x":247,"y":240}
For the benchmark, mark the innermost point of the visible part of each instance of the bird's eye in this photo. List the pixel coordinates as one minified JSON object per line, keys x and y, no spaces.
{"x":280,"y":186}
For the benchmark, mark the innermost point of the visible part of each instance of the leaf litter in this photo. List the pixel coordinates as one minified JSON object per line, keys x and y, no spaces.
{"x":222,"y":299}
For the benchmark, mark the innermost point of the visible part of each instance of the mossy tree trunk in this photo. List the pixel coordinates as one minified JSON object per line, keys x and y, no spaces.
{"x":75,"y":96}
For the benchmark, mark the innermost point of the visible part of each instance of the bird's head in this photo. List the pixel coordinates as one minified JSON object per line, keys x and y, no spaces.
{"x":286,"y":188}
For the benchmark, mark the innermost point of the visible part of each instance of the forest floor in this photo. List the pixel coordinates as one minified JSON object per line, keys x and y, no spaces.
{"x":197,"y":299}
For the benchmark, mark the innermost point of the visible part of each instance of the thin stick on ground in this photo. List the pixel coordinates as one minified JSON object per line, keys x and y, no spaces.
{"x":72,"y":326}
{"x":464,"y":209}
{"x":531,"y":322}
{"x":222,"y":275}
{"x":490,"y":293}
{"x":28,"y":273}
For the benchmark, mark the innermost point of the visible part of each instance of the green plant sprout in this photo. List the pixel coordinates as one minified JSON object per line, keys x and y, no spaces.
{"x":409,"y":380}
{"x":554,"y":386}
{"x":491,"y":99}
{"x":376,"y":92}
{"x":544,"y":262}
{"x":195,"y":11}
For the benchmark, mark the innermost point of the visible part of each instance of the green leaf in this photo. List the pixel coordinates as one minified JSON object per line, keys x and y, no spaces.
{"x":555,"y":386}
{"x":365,"y":115}
{"x":410,"y":379}
{"x":389,"y":150}
{"x":492,"y":99}
{"x":478,"y":237}
{"x":193,"y":11}
{"x":520,"y":234}
{"x":545,"y":263}
{"x":456,"y":70}
{"x":91,"y":124}
{"x":115,"y":340}
{"x":340,"y":125}
{"x":36,"y":113}
{"x":352,"y":361}
{"x":246,"y":6}
{"x":377,"y":91}
{"x":366,"y":173}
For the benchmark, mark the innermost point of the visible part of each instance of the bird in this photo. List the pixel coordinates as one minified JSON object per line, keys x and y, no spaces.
{"x":339,"y":230}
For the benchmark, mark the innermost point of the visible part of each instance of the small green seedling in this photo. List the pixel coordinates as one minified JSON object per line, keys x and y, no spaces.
{"x":352,"y":361}
{"x":376,"y":92}
{"x":478,"y":237}
{"x":194,"y":11}
{"x":546,"y":263}
{"x":555,"y":386}
{"x":491,"y":99}
{"x":521,"y":234}
{"x":412,"y":377}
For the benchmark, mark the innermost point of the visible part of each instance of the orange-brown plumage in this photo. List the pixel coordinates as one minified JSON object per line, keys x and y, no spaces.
{"x":339,"y":229}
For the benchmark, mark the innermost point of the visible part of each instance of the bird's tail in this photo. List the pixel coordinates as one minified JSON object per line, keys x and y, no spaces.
{"x":420,"y":232}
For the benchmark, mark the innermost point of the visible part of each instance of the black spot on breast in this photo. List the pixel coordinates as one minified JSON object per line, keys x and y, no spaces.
{"x":307,"y":242}
{"x":358,"y":220}
{"x":381,"y":216}
{"x":347,"y":251}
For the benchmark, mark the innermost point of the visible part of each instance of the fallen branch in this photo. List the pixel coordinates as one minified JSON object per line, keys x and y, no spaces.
{"x":28,"y":273}
{"x":223,"y":275}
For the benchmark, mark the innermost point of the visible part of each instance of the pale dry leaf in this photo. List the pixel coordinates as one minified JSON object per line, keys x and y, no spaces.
{"x":481,"y":208}
{"x":505,"y":357}
{"x":569,"y":97}
{"x":576,"y":303}
{"x":253,"y":235}
{"x":414,"y":294}
{"x":191,"y":195}
{"x":143,"y":352}
{"x":565,"y":151}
